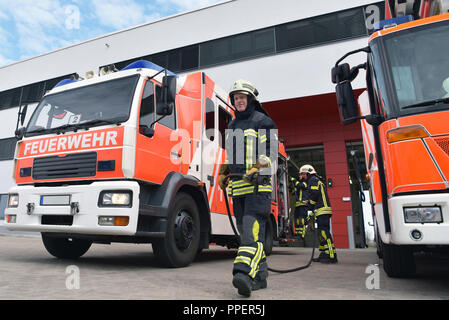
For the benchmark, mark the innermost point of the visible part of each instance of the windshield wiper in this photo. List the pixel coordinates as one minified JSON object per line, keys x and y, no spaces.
{"x":88,"y":124}
{"x":427,"y":103}
{"x":37,"y":131}
{"x":76,"y":126}
{"x":48,"y":130}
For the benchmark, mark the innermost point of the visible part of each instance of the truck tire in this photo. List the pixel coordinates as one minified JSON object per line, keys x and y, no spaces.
{"x":398,"y":261}
{"x":65,"y":248}
{"x":181,"y":242}
{"x":269,"y":239}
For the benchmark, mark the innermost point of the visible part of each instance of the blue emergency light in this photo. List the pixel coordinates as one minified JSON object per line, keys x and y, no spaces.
{"x":64,"y":82}
{"x":147,"y":65}
{"x":384,"y":24}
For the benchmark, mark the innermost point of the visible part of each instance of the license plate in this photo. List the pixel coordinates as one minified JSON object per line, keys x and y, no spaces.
{"x":59,"y":200}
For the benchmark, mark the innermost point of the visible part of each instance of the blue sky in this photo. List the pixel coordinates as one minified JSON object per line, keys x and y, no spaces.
{"x":32,"y":27}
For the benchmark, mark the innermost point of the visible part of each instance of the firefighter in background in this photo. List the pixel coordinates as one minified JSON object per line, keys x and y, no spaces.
{"x":301,"y":206}
{"x":248,"y":143}
{"x":321,"y":207}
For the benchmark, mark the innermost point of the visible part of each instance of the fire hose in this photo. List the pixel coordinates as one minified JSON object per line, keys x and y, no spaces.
{"x":258,"y":179}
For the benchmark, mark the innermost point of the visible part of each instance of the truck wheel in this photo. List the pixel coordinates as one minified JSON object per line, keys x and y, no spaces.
{"x":65,"y":248}
{"x":398,"y":261}
{"x":180,"y":245}
{"x":268,"y":237}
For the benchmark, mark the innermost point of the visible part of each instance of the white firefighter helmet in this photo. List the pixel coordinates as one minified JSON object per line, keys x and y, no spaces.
{"x":245,"y":87}
{"x":307,"y":168}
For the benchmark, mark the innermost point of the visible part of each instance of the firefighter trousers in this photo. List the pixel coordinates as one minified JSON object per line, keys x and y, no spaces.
{"x":300,"y":220}
{"x":327,"y":247}
{"x":251,"y":213}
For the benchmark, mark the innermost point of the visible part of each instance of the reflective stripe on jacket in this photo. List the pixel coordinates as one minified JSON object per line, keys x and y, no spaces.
{"x":247,"y":138}
{"x":318,"y":197}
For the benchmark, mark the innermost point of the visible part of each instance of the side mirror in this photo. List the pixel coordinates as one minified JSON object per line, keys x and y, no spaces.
{"x":346,"y":102}
{"x":146,"y":131}
{"x":166,"y":102}
{"x":341,"y":73}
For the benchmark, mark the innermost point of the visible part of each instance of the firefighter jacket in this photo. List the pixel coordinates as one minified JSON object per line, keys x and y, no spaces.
{"x":251,"y":135}
{"x":300,"y":191}
{"x":318,"y":197}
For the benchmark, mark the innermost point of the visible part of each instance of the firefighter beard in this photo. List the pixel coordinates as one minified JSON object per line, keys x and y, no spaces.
{"x":251,"y":213}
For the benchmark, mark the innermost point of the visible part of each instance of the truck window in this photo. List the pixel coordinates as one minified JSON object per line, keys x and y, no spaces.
{"x":210,"y":119}
{"x":107,"y":101}
{"x":147,"y":105}
{"x":170,"y":120}
{"x":224,"y":118}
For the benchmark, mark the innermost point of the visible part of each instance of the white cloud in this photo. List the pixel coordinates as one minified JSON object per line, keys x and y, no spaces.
{"x":37,"y":13}
{"x":32,"y":21}
{"x":119,"y":14}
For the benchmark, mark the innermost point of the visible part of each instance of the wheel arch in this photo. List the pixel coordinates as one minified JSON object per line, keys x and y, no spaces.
{"x":162,"y":197}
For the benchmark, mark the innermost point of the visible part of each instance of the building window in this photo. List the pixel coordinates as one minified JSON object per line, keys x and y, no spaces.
{"x":313,"y":155}
{"x":27,"y":94}
{"x":237,"y":47}
{"x":321,"y":29}
{"x":7,"y":148}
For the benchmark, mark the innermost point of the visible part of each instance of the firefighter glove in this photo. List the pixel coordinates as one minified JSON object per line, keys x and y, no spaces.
{"x":251,"y":176}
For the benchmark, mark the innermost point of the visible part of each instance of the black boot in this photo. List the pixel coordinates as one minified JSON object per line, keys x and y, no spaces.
{"x":328,"y":259}
{"x":318,"y":259}
{"x":257,"y":284}
{"x":243,"y":283}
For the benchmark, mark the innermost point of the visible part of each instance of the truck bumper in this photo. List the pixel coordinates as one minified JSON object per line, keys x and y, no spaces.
{"x":431,"y":233}
{"x":84,"y":219}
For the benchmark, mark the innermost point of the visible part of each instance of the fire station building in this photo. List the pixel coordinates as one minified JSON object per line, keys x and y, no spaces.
{"x":285,"y":48}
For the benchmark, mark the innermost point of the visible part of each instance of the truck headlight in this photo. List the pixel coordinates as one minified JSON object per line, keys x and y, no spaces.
{"x":13,"y":201}
{"x":115,"y":198}
{"x":423,"y":215}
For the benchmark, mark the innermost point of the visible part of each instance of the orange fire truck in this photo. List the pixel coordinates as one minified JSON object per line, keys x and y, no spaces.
{"x":130,"y":156}
{"x":404,"y":114}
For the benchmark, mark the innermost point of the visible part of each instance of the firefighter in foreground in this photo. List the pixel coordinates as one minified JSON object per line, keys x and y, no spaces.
{"x":321,"y":207}
{"x":299,"y":188}
{"x":248,"y":155}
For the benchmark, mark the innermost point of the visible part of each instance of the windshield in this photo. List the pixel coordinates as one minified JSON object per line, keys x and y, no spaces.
{"x":97,"y":104}
{"x":419,"y":65}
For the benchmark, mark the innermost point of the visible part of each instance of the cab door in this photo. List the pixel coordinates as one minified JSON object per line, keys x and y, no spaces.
{"x":157,"y":154}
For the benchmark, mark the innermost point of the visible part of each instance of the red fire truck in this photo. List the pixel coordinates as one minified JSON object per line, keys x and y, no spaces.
{"x":404,"y":114}
{"x":130,"y":156}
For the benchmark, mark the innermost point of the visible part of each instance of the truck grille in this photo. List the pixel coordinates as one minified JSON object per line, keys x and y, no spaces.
{"x":70,"y":166}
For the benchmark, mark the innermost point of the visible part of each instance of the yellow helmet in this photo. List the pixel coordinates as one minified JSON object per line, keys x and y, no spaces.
{"x":307,"y":168}
{"x":245,"y":87}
